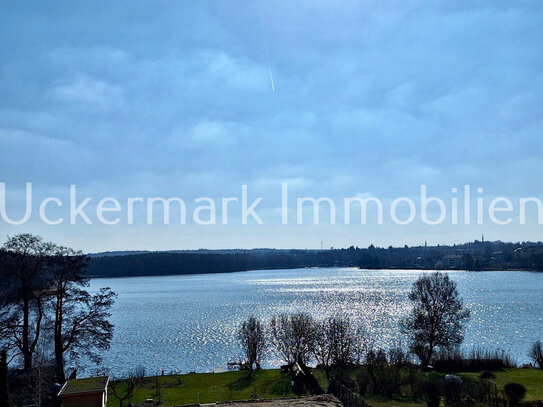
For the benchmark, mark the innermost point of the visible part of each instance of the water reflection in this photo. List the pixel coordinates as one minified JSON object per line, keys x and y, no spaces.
{"x":188,"y":323}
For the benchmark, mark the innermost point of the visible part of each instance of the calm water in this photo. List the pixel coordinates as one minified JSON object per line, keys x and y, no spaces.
{"x":188,"y":323}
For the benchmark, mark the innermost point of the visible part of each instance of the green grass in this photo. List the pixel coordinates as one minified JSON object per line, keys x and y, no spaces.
{"x":532,"y":379}
{"x":213,"y":387}
{"x":320,"y":375}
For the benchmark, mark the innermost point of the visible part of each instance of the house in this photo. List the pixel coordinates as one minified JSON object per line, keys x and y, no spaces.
{"x":452,"y":261}
{"x":90,"y":392}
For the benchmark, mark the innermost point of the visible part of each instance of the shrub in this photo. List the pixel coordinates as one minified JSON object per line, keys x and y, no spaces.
{"x":514,"y":392}
{"x":385,"y":378}
{"x":415,"y":381}
{"x":363,"y":380}
{"x":487,"y":375}
{"x":475,"y":360}
{"x":453,"y":390}
{"x":433,"y":390}
{"x":398,"y":356}
{"x":342,"y":377}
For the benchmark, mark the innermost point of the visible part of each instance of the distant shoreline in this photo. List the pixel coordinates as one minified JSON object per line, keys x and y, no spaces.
{"x":299,"y":268}
{"x":471,"y":256}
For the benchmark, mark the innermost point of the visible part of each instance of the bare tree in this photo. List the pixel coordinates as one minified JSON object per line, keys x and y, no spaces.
{"x":24,"y":268}
{"x":36,"y":274}
{"x":335,"y":343}
{"x":398,"y":356}
{"x":342,"y":340}
{"x":41,"y":379}
{"x":8,"y":320}
{"x":536,"y":354}
{"x":293,"y":337}
{"x":322,"y":350}
{"x":253,"y":341}
{"x":81,"y":323}
{"x":437,"y":318}
{"x":123,"y":389}
{"x":364,"y":342}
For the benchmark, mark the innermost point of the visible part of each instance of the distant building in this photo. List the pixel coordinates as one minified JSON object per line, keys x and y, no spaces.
{"x":452,"y":261}
{"x":90,"y":392}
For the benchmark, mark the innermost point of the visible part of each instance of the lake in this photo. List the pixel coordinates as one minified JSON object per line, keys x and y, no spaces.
{"x":188,"y":323}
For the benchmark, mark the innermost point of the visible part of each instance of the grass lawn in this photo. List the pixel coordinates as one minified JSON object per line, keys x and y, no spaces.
{"x":532,"y":379}
{"x":320,"y":375}
{"x":212,"y":387}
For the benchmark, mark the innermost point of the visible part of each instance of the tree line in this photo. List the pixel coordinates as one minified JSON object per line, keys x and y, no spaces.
{"x":434,"y":331}
{"x":435,"y":324}
{"x":46,"y":309}
{"x":471,"y":256}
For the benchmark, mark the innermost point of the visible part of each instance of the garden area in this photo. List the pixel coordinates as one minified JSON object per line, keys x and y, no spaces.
{"x":270,"y":384}
{"x":203,"y":388}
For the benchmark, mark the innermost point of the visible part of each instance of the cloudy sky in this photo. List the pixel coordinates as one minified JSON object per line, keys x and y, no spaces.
{"x":339,"y":99}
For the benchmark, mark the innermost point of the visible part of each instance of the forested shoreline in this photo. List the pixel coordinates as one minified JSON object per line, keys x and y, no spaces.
{"x":474,"y":256}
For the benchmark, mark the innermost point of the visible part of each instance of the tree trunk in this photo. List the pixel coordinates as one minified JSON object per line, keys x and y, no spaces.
{"x":59,"y":367}
{"x":4,"y":380}
{"x":428,"y":358}
{"x":59,"y":351}
{"x":27,"y":354}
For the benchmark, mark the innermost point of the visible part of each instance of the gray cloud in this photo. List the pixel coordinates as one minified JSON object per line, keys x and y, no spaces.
{"x":373,"y":96}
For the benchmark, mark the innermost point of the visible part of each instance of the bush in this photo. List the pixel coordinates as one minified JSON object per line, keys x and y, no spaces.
{"x":514,"y":392}
{"x":345,"y":380}
{"x":487,"y":375}
{"x":363,"y":380}
{"x":385,"y":378}
{"x":398,"y":356}
{"x":476,"y":360}
{"x":453,"y":390}
{"x":415,"y":380}
{"x":433,"y":390}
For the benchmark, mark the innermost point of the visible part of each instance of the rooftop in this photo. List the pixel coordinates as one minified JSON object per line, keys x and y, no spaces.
{"x":88,"y":385}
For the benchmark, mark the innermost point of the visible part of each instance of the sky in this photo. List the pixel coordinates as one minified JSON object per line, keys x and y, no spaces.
{"x":338,"y":99}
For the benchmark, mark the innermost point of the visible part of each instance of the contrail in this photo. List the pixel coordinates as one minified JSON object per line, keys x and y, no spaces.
{"x":266,"y":47}
{"x":271,"y":78}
